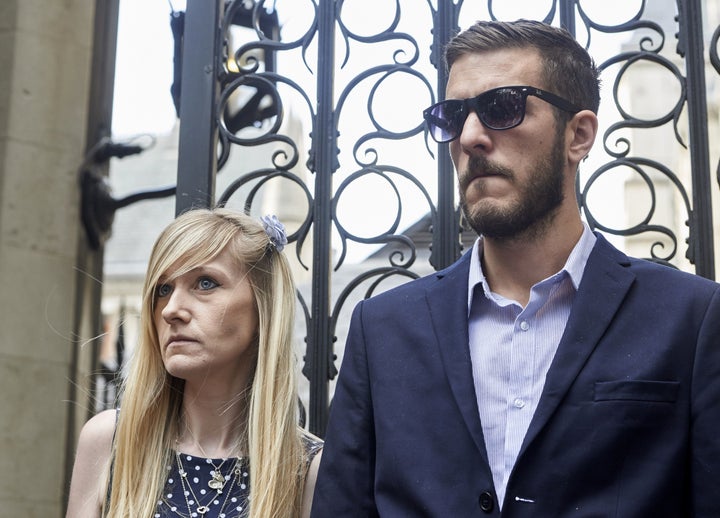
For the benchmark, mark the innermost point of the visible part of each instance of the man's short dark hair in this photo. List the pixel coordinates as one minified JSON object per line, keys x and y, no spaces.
{"x":568,"y":69}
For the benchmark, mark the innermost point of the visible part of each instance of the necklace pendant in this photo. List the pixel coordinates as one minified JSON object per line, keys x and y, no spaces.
{"x":202,"y":509}
{"x":217,"y":482}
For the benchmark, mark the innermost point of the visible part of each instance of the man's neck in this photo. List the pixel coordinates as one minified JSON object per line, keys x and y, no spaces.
{"x":513,"y":266}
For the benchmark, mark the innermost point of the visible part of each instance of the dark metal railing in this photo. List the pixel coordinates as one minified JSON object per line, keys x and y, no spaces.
{"x":690,"y":46}
{"x":238,"y":95}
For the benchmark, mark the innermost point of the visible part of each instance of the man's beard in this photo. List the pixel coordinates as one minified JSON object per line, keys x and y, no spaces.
{"x":539,"y":198}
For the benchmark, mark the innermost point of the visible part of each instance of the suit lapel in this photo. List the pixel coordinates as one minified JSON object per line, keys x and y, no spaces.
{"x":605,"y":279}
{"x":447,"y":301}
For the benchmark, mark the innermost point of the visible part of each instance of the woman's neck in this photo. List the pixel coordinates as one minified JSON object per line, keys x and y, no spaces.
{"x":213,"y":428}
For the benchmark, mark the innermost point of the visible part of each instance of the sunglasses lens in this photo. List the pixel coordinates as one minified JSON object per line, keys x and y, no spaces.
{"x":445,"y":120}
{"x":504,"y":109}
{"x":499,"y":109}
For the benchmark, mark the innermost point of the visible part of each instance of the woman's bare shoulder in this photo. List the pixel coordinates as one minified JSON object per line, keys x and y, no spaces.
{"x":89,"y":479}
{"x":100,"y":428}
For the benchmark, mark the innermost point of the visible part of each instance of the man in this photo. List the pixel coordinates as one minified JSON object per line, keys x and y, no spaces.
{"x":545,"y":374}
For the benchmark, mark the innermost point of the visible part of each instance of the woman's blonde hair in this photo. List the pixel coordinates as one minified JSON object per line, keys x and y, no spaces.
{"x":151,"y":399}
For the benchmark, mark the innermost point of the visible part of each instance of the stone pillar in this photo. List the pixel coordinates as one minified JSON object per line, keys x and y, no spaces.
{"x":45,"y":58}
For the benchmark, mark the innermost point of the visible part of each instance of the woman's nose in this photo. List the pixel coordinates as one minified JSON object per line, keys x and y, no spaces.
{"x":175,"y":306}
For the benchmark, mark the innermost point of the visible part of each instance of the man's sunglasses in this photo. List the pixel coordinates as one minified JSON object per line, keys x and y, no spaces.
{"x":498,"y":109}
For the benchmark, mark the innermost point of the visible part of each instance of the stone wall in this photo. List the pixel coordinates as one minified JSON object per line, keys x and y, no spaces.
{"x":45,"y":58}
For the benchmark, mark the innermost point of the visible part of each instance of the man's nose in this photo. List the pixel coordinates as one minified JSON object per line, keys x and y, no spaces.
{"x":474,"y":134}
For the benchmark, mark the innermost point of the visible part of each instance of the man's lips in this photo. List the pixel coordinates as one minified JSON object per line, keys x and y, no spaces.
{"x":483,"y":172}
{"x":481,"y":175}
{"x":486,"y":175}
{"x":480,"y":167}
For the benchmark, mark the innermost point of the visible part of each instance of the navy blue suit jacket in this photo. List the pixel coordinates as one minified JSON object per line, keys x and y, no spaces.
{"x":628,"y":424}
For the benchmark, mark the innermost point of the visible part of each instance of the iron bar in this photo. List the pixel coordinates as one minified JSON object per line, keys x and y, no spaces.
{"x":199,"y":88}
{"x":567,"y":16}
{"x":320,"y":354}
{"x":701,"y":231}
{"x":445,"y":230}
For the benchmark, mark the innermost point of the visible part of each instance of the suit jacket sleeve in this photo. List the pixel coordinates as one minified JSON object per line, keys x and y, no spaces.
{"x":705,"y":416}
{"x":345,"y":479}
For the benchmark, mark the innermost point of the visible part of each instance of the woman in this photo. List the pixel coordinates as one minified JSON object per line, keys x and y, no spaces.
{"x":208,"y":424}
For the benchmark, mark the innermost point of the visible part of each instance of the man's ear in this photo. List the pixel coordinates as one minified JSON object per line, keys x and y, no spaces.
{"x":581,"y":132}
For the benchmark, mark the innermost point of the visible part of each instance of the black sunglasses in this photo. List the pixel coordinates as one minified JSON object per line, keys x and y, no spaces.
{"x":498,"y":109}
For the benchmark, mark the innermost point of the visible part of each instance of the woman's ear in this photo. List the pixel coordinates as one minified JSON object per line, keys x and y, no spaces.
{"x":582,"y":130}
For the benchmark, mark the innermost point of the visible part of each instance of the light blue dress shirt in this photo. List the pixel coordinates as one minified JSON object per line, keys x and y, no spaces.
{"x":511,"y":349}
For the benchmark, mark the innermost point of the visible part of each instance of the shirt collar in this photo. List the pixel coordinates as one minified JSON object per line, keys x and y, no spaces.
{"x":574,"y":266}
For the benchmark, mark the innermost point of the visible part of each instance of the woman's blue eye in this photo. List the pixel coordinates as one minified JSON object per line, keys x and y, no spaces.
{"x":163,"y":290}
{"x":206,"y":283}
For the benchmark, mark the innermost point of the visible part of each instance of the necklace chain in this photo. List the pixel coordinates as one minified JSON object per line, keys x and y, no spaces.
{"x":217,"y":480}
{"x":186,"y":487}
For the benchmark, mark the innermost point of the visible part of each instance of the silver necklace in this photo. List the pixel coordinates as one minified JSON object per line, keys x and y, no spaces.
{"x":186,"y":487}
{"x":217,"y":480}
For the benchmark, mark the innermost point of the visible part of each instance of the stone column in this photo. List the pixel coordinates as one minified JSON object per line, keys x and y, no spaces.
{"x":45,"y":59}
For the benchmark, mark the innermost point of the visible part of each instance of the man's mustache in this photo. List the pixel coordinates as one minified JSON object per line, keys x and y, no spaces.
{"x":479,"y":166}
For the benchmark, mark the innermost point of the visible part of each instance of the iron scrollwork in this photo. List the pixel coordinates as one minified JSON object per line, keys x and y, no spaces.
{"x":644,"y":49}
{"x":363,"y":108}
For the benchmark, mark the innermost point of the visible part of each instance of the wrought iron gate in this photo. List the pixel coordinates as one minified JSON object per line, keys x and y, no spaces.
{"x":356,"y":74}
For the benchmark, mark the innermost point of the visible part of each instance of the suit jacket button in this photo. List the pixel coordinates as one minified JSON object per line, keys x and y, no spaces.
{"x":487,"y":502}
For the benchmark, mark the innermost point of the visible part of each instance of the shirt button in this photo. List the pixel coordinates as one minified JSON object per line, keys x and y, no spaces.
{"x":524,"y":325}
{"x":487,"y":502}
{"x":519,"y":403}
